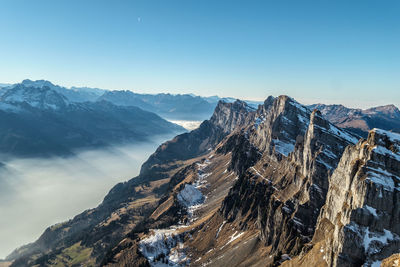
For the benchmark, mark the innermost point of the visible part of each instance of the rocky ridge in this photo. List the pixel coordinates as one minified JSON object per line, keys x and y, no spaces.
{"x":359,"y":223}
{"x":128,"y":206}
{"x":361,"y":121}
{"x":249,"y":187}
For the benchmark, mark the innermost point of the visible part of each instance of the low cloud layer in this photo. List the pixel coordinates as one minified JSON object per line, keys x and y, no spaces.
{"x":36,"y":193}
{"x":188,"y":125}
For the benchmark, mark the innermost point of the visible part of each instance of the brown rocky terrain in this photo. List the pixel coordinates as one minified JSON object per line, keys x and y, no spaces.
{"x":359,"y":223}
{"x":279,"y":185}
{"x":361,"y":121}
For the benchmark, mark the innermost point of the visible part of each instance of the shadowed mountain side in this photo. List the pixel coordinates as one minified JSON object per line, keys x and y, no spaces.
{"x":41,"y":122}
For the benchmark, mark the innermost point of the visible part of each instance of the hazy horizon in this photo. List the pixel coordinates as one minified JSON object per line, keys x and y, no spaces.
{"x":348,"y":104}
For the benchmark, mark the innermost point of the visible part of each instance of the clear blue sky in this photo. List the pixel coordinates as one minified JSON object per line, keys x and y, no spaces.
{"x":316,"y":51}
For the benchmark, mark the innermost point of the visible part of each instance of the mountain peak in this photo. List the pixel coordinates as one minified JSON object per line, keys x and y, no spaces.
{"x":39,"y":97}
{"x":386,"y":139}
{"x":231,"y":115}
{"x":37,"y":83}
{"x":390,"y":110}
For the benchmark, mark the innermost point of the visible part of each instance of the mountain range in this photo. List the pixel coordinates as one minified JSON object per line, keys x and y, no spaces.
{"x":361,"y":121}
{"x":279,"y":185}
{"x":41,"y":121}
{"x":169,"y":106}
{"x":189,"y":107}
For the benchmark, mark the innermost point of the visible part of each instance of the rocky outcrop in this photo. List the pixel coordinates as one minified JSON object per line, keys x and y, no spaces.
{"x":284,"y":190}
{"x":226,"y":118}
{"x":229,"y":116}
{"x":392,"y":261}
{"x":359,"y":223}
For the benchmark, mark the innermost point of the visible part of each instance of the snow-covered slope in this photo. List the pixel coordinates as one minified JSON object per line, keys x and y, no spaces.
{"x":37,"y":97}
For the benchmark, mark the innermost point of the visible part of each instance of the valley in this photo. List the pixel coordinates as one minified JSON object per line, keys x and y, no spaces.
{"x":54,"y":189}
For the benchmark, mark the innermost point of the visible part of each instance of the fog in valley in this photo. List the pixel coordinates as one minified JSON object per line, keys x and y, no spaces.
{"x":36,"y":193}
{"x":188,"y":125}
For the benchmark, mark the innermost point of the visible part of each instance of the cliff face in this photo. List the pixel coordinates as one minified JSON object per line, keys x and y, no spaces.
{"x":283,"y":191}
{"x":226,"y":118}
{"x":360,"y":222}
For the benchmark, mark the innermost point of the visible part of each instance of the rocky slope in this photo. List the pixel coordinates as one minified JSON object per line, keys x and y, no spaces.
{"x":359,"y":223}
{"x":128,"y":206}
{"x":279,"y":185}
{"x":361,"y":121}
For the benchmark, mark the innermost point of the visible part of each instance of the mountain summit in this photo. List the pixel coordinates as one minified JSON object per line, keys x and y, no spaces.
{"x":42,"y":97}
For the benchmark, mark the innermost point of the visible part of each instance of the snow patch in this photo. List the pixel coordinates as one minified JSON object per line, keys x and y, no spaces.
{"x":384,"y":151}
{"x":282,"y":147}
{"x":234,"y":237}
{"x":342,"y":134}
{"x":299,"y":106}
{"x":164,"y":248}
{"x":381,"y":177}
{"x":371,"y":210}
{"x":303,"y":120}
{"x":190,"y":196}
{"x":394,"y":137}
{"x":330,"y":154}
{"x":220,"y":228}
{"x":370,"y":237}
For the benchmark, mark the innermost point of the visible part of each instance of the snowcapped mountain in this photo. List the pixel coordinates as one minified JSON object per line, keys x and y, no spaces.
{"x":74,"y":94}
{"x":40,"y":121}
{"x":38,"y":97}
{"x":187,"y":107}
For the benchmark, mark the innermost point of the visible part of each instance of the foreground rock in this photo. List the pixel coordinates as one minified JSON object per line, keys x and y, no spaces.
{"x":359,"y":224}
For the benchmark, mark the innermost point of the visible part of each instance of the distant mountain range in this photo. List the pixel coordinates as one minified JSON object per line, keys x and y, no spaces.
{"x":42,"y":121}
{"x":175,"y":107}
{"x":361,"y":121}
{"x":55,"y":118}
{"x":169,"y":106}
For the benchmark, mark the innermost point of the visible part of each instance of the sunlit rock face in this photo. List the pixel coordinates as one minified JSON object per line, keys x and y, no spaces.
{"x":292,"y":151}
{"x":360,"y":222}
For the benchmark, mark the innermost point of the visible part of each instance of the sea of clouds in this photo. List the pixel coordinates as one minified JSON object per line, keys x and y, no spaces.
{"x":38,"y":192}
